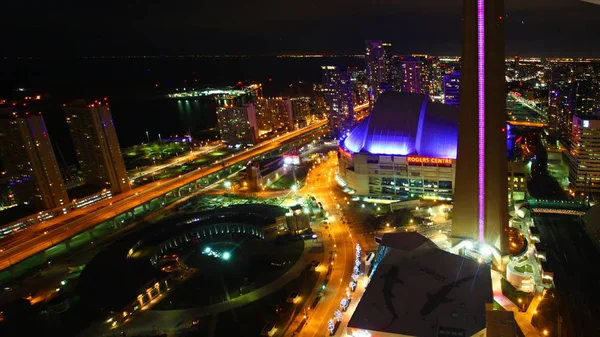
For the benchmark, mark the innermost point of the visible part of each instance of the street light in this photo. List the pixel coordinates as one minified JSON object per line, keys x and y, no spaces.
{"x":228,"y":185}
{"x":295,"y":189}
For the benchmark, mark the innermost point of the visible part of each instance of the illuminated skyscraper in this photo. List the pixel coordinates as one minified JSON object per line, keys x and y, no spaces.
{"x":238,"y":125}
{"x":584,"y":170}
{"x":29,"y":162}
{"x":337,"y":90}
{"x":452,"y":89}
{"x":560,"y":105}
{"x":585,"y":94}
{"x":274,"y":114}
{"x":480,"y":199}
{"x":97,"y":146}
{"x":410,"y":70}
{"x":301,"y":109}
{"x":395,"y":73}
{"x":377,"y":58}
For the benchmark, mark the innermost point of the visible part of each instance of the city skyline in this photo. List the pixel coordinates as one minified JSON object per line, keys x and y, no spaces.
{"x":449,"y":195}
{"x":134,"y":30}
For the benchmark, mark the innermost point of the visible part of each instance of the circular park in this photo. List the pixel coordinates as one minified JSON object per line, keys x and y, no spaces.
{"x":191,"y":260}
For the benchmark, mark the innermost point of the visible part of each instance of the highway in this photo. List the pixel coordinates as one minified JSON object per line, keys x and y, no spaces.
{"x":135,"y":174}
{"x":58,"y":229}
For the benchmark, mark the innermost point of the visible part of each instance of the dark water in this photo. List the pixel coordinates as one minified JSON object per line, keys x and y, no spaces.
{"x":135,"y":88}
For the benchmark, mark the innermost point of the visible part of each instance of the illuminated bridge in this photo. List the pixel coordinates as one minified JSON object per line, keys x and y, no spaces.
{"x":555,"y":207}
{"x":529,"y":124}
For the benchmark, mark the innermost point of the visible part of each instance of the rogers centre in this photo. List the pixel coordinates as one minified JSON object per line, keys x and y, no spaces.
{"x":406,"y":148}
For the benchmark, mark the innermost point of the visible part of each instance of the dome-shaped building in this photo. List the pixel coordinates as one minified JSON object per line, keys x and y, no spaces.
{"x":405,"y":148}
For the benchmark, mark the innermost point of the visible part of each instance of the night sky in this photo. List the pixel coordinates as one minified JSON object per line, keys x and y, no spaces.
{"x":176,"y":27}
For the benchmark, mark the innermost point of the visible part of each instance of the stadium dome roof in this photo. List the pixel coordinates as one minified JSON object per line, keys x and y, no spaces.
{"x":407,"y":124}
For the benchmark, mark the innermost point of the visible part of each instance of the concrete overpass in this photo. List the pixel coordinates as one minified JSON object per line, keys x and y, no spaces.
{"x":88,"y":223}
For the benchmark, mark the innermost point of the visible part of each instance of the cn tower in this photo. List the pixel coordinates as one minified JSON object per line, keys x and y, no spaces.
{"x":481,"y":192}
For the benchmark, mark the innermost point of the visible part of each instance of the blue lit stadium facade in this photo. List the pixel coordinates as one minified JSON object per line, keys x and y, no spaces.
{"x":406,"y":148}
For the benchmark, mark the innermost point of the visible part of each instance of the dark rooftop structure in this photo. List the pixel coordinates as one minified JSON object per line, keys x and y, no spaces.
{"x":421,"y":290}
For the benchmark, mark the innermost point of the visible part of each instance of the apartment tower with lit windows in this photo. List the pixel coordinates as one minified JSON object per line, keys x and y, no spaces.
{"x":28,"y":160}
{"x":96,"y":145}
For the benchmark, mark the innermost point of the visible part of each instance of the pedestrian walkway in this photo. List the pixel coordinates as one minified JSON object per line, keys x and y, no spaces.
{"x":523,"y":319}
{"x":167,"y":320}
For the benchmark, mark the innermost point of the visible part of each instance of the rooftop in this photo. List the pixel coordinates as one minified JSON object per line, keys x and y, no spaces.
{"x":407,"y":124}
{"x":421,"y":290}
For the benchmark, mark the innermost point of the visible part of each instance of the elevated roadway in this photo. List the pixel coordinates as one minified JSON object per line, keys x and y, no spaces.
{"x":529,"y":124}
{"x":45,"y":235}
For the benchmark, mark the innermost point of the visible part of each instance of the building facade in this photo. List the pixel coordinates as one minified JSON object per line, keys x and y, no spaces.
{"x":28,"y":161}
{"x":480,"y":202}
{"x":404,"y":149}
{"x":452,"y":89}
{"x":410,"y":73}
{"x":274,"y":114}
{"x":560,"y":102}
{"x":377,"y":61}
{"x":337,"y":91}
{"x":301,"y":109}
{"x":238,"y":125}
{"x":96,"y":145}
{"x":585,"y":94}
{"x":519,"y":174}
{"x":584,"y":166}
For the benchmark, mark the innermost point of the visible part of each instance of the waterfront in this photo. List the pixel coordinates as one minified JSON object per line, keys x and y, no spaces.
{"x":135,"y":88}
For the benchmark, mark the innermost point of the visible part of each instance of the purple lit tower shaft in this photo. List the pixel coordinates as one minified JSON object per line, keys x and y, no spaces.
{"x":481,"y":191}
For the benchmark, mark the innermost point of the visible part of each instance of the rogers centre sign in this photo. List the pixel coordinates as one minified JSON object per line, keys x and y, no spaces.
{"x":428,"y":160}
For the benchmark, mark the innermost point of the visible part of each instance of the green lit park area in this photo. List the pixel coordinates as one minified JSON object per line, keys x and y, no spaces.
{"x":141,"y":175}
{"x":153,"y":153}
{"x":228,"y":267}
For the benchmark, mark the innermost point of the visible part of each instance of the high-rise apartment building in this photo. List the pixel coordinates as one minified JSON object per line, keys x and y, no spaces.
{"x":377,"y":58}
{"x":28,"y":160}
{"x":584,"y":170}
{"x":395,"y":73}
{"x":300,"y":109}
{"x":387,"y":62}
{"x":480,"y":199}
{"x":274,"y":114}
{"x":560,"y":102}
{"x":452,"y":89}
{"x":96,"y":145}
{"x":585,"y":94}
{"x":410,"y":69}
{"x":237,"y":125}
{"x":337,"y":90}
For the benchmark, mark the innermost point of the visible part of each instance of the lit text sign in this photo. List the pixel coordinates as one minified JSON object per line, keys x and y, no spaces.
{"x":428,"y":160}
{"x":345,"y":153}
{"x":291,"y":160}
